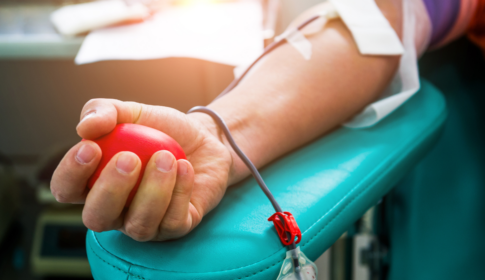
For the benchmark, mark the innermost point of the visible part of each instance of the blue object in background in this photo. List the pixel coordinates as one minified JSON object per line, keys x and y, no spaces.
{"x":437,"y":213}
{"x":18,"y":259}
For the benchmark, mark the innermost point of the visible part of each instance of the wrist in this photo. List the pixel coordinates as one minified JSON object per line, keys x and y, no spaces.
{"x":213,"y":131}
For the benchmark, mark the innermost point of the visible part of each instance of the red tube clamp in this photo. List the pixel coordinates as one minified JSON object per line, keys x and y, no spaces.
{"x":286,"y":225}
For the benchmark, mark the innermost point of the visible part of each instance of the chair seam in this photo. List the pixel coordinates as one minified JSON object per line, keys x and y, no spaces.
{"x":114,"y":266}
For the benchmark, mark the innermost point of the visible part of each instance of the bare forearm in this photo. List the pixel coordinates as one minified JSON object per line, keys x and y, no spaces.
{"x":288,"y":101}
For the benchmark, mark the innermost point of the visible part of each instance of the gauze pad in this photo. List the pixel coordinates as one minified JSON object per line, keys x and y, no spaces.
{"x":405,"y":82}
{"x":371,"y":31}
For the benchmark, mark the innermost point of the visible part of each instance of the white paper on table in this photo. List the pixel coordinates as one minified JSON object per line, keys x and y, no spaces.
{"x":79,"y":18}
{"x":227,"y":33}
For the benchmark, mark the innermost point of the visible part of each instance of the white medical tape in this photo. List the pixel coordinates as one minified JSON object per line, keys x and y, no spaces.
{"x":404,"y":84}
{"x":239,"y":70}
{"x":301,"y":43}
{"x":326,"y":14}
{"x":295,"y":38}
{"x":371,"y":31}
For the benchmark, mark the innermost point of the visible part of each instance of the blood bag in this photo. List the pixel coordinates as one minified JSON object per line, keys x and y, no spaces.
{"x":306,"y":271}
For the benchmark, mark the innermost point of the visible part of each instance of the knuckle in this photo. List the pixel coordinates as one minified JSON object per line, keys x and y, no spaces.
{"x":59,"y":196}
{"x":139,"y":231}
{"x":173,"y":226}
{"x":182,"y":191}
{"x":107,"y":188}
{"x":96,"y":225}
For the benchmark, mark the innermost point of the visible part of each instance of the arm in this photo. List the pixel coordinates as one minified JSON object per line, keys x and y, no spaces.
{"x":288,"y":101}
{"x":285,"y":103}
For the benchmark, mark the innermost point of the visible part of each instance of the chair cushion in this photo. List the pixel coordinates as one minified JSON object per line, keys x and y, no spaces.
{"x":327,"y":185}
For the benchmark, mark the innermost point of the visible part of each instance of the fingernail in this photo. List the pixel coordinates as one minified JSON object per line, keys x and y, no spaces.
{"x":164,"y":161}
{"x":85,"y":154}
{"x":182,"y":167}
{"x":126,"y":163}
{"x":87,"y":115}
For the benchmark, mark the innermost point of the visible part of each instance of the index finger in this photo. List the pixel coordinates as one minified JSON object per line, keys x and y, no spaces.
{"x":69,"y":181}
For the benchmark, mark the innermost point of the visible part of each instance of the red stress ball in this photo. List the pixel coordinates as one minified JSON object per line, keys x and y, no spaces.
{"x":141,"y":140}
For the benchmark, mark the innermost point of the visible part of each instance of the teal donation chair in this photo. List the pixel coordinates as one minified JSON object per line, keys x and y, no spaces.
{"x":327,"y":185}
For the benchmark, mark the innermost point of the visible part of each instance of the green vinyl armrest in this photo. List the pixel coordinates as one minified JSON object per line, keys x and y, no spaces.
{"x":327,"y":185}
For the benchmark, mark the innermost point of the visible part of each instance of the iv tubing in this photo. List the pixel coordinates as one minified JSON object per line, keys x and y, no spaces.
{"x":266,"y":51}
{"x":254,"y":171}
{"x":220,"y":122}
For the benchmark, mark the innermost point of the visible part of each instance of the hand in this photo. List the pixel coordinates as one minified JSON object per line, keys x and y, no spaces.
{"x":173,"y":195}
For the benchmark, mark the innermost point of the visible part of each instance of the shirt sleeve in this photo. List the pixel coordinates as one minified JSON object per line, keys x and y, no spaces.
{"x":476,"y":29}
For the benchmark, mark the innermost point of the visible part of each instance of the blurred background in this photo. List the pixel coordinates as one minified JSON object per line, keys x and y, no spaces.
{"x":42,"y":92}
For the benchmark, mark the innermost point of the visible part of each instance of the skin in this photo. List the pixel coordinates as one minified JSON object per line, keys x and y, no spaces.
{"x":284,"y":103}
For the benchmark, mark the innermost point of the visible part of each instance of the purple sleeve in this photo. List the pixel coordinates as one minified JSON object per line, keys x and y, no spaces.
{"x":443,"y":14}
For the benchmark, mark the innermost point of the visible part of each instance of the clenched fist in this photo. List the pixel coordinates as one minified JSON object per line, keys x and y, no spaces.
{"x":173,"y":195}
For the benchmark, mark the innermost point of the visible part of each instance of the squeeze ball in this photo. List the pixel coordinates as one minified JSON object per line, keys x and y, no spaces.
{"x":141,"y":140}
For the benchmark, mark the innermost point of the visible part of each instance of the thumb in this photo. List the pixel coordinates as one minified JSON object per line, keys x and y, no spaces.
{"x":100,"y":116}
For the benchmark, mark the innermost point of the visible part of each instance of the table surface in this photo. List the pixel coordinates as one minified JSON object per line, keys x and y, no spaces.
{"x":26,"y":32}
